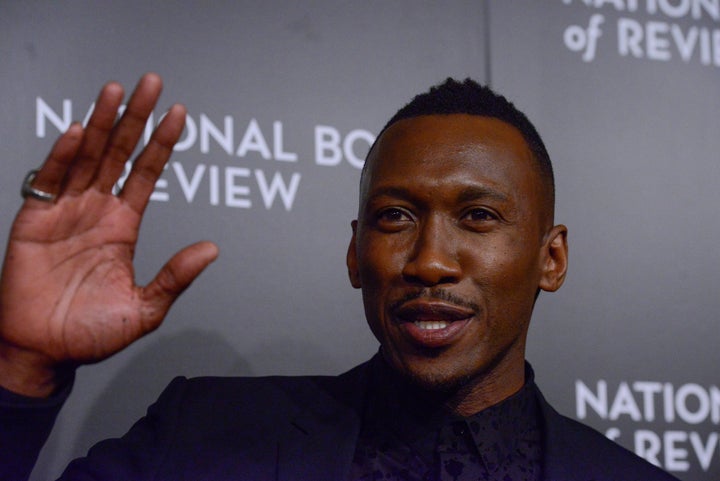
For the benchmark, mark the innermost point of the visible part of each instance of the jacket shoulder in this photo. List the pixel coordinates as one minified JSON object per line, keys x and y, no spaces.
{"x":575,"y":451}
{"x":270,"y":393}
{"x":209,"y":427}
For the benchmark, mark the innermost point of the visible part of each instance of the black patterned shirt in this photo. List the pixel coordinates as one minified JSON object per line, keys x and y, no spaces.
{"x":408,"y":434}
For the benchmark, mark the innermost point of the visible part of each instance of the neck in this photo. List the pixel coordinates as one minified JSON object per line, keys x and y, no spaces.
{"x":493,"y":388}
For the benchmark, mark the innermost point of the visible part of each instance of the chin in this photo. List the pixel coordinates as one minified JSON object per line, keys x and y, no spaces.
{"x":441,"y":384}
{"x":435,"y":379}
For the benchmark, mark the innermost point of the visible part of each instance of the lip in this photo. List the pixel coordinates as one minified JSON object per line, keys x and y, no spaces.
{"x":456,"y":317}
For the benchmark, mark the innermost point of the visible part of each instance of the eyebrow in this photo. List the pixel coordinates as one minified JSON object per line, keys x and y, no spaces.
{"x":468,"y":194}
{"x":476,"y":192}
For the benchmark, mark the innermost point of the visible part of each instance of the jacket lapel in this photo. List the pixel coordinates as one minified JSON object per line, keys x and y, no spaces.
{"x":319,"y":441}
{"x":572,"y":451}
{"x":558,"y":463}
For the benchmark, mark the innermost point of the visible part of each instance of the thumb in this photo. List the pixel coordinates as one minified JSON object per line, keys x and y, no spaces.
{"x":174,"y":277}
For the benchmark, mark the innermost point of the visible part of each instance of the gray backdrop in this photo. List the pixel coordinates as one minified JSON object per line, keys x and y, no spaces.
{"x":625,"y":95}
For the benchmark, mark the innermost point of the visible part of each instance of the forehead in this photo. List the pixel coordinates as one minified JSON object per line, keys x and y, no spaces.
{"x":452,"y":150}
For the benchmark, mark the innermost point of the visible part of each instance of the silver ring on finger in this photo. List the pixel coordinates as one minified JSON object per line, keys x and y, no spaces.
{"x":29,"y":191}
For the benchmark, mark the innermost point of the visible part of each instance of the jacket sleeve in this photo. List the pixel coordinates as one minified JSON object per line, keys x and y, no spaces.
{"x":25,"y":424}
{"x":138,"y":454}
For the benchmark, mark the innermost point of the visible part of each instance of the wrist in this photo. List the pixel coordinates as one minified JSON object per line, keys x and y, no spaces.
{"x":30,"y":374}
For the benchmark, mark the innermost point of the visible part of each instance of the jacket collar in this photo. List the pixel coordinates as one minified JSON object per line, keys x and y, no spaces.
{"x":319,"y":442}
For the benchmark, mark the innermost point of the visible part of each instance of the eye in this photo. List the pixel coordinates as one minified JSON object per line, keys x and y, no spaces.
{"x":392,"y":218}
{"x":478,"y":214}
{"x":392,"y":215}
{"x":479,"y":219}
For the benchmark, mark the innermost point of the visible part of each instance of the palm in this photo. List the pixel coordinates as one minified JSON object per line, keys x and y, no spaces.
{"x":67,"y":292}
{"x":73,"y":286}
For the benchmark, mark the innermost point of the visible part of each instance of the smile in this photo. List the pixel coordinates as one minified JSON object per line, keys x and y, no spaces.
{"x":431,"y":314}
{"x":431,"y":325}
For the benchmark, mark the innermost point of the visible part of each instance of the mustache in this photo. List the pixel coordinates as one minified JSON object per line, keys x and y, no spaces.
{"x":435,"y":294}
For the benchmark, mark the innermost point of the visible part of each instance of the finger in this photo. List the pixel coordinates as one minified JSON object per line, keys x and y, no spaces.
{"x":124,"y":137}
{"x":97,"y":132}
{"x":149,"y":164}
{"x":173,"y":279}
{"x":50,"y":176}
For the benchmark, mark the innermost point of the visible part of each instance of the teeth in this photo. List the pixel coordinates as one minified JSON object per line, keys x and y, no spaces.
{"x":431,"y":325}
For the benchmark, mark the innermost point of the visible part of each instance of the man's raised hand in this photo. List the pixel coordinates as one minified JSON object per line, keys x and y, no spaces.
{"x":67,"y":291}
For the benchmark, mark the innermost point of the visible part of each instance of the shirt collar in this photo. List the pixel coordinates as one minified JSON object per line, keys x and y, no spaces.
{"x":500,"y":430}
{"x":417,"y":416}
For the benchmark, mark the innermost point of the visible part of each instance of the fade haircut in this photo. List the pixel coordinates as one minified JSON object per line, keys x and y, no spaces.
{"x":469,"y":97}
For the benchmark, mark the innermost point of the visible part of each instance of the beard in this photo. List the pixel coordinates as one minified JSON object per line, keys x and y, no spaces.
{"x":444,"y":381}
{"x":438,"y":379}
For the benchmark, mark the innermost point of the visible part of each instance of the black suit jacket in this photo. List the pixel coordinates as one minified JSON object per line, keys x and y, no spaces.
{"x":283,"y":429}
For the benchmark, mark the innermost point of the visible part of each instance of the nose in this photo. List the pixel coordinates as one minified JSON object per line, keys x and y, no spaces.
{"x":433,"y":259}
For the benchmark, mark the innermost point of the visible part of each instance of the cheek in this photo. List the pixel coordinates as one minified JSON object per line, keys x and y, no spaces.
{"x":507,"y":268}
{"x":380,"y":260}
{"x":379,"y":266}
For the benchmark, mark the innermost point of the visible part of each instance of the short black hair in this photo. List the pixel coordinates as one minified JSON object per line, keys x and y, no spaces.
{"x":469,"y":97}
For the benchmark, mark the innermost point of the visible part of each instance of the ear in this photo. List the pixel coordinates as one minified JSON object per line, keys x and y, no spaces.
{"x":554,"y":259}
{"x":352,"y":262}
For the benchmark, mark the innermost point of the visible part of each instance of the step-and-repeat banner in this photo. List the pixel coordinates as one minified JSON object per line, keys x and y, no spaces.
{"x":283,"y":102}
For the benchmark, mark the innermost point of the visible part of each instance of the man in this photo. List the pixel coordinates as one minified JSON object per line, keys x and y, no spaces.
{"x":454,"y":239}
